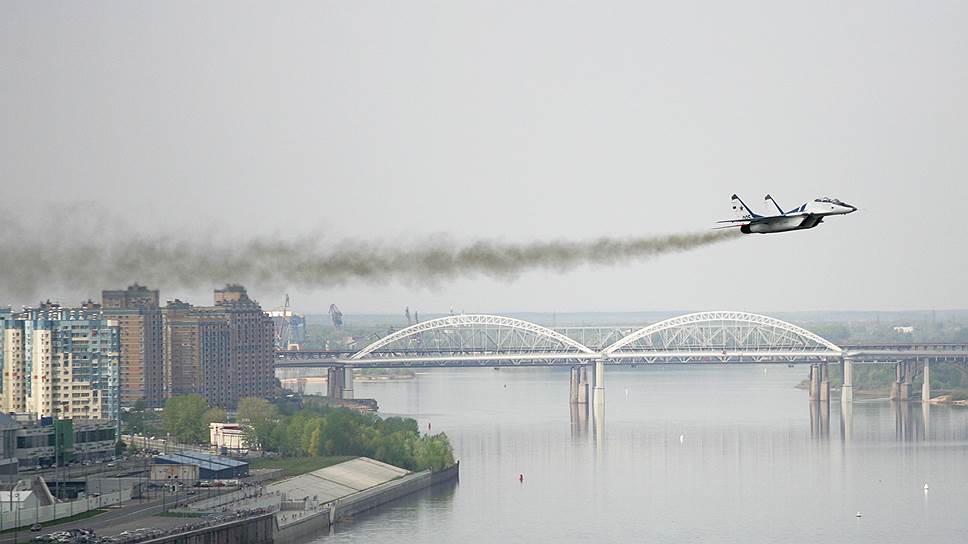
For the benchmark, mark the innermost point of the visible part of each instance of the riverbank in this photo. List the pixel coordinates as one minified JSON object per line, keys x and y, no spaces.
{"x":306,"y":504}
{"x":953,"y":400}
{"x":953,"y":397}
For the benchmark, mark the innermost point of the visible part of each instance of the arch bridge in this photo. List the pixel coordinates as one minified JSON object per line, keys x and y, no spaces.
{"x":718,"y":337}
{"x":490,"y":340}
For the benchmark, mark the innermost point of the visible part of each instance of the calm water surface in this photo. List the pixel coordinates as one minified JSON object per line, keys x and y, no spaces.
{"x":681,"y":454}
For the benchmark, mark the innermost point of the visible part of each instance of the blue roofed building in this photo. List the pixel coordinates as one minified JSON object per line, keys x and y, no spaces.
{"x":210,"y":467}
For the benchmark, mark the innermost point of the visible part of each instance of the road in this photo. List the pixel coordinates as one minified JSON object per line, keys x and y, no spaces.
{"x":134,"y":515}
{"x":80,"y":472}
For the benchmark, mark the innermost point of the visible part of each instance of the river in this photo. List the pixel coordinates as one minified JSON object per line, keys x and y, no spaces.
{"x":681,"y":454}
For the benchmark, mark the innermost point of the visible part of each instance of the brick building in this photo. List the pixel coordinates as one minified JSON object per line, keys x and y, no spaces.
{"x":138,"y":314}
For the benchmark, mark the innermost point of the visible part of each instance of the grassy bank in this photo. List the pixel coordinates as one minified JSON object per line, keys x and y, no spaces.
{"x":294,"y":466}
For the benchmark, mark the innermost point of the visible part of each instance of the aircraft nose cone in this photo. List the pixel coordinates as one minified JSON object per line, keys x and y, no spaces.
{"x":852,"y":208}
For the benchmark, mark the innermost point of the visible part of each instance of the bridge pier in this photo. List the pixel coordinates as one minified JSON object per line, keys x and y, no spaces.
{"x":906,"y":372}
{"x":573,"y":385}
{"x":926,"y":386}
{"x":599,"y":381}
{"x":814,"y":388}
{"x":847,"y":386}
{"x":824,"y":393}
{"x":896,"y":386}
{"x":583,"y":385}
{"x":334,"y":382}
{"x":347,"y":382}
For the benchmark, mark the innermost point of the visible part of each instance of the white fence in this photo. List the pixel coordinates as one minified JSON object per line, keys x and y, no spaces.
{"x":161,"y":444}
{"x":247,"y":497}
{"x":25,"y":517}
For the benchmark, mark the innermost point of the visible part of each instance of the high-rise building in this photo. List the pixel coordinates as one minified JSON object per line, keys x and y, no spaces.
{"x":197,"y":355}
{"x":137,"y":311}
{"x":251,"y":341}
{"x":222,"y":352}
{"x":60,"y":362}
{"x":13,"y":382}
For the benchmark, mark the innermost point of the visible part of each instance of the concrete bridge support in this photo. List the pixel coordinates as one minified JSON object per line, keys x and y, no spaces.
{"x":583,"y":385}
{"x":814,"y":388}
{"x":926,"y":386}
{"x":907,"y":376}
{"x":334,"y":382}
{"x":573,"y":385}
{"x":896,"y":386}
{"x":347,"y":382}
{"x":847,"y":387}
{"x":824,"y":393}
{"x":600,"y":382}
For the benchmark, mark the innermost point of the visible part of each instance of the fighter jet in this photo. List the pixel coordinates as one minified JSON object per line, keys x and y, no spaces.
{"x":807,"y":216}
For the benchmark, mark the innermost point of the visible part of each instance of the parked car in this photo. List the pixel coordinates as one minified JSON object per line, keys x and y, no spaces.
{"x":36,"y":527}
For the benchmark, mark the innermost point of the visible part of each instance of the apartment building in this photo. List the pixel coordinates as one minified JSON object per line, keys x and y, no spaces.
{"x":137,"y":311}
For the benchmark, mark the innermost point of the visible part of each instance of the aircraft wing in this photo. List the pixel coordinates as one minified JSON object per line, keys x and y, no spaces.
{"x":761,"y":219}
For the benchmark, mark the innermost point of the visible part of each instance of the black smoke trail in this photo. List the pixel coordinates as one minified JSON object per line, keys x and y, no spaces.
{"x":91,"y":258}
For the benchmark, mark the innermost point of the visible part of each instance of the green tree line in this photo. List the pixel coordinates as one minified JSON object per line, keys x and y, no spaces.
{"x":308,"y":428}
{"x":317,"y":430}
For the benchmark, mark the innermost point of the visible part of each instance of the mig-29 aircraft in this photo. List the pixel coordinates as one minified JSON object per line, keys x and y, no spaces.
{"x":807,"y":216}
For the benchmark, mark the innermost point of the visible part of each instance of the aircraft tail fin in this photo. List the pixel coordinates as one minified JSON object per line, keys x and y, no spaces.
{"x":741,"y":210}
{"x":769,"y":198}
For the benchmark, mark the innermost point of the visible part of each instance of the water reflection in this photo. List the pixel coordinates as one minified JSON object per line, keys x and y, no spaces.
{"x":404,"y":510}
{"x":598,"y":413}
{"x":846,"y":421}
{"x":691,"y":453}
{"x":579,"y":420}
{"x":819,"y":419}
{"x":911,"y":421}
{"x":926,"y":418}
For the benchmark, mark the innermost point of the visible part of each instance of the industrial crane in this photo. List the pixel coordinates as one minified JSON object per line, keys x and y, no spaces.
{"x":336,"y":315}
{"x":286,"y":333}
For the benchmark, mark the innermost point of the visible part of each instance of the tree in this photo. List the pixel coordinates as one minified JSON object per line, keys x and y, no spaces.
{"x":184,"y":418}
{"x":433,"y":452}
{"x":340,"y":433}
{"x":261,"y":416}
{"x":215,"y":415}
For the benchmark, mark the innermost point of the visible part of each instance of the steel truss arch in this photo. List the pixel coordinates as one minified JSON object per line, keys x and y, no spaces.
{"x":559,"y":343}
{"x":700,"y":331}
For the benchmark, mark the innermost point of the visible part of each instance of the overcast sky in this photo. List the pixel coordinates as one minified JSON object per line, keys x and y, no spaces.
{"x":516,"y":121}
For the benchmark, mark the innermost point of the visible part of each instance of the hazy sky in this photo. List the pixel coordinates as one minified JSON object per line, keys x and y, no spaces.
{"x":516,"y":121}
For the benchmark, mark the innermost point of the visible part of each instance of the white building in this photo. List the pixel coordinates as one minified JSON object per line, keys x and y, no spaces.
{"x":18,"y":500}
{"x":229,"y":436}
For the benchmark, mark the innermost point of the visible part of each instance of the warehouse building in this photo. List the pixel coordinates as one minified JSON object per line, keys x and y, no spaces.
{"x":210,"y":467}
